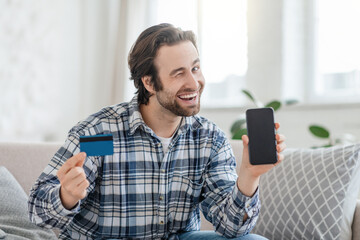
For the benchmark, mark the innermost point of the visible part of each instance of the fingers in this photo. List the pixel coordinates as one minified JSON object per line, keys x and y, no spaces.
{"x":280,"y":144}
{"x":75,"y":183}
{"x":245,"y":140}
{"x":75,"y":176}
{"x":73,"y":180}
{"x":280,"y":159}
{"x":79,"y":192}
{"x":280,"y":138}
{"x":75,"y":161}
{"x":82,"y":187}
{"x":78,"y":187}
{"x":280,"y":147}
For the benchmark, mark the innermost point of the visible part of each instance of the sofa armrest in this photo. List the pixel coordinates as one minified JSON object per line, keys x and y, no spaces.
{"x":356,"y":222}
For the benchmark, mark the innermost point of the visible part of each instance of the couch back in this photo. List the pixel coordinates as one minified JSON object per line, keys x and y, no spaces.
{"x":26,"y":161}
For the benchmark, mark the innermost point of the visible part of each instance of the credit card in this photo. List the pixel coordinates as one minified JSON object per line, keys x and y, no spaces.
{"x":97,"y":145}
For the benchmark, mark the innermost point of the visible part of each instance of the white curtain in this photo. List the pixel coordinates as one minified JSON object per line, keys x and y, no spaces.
{"x":109,"y":28}
{"x":63,"y":60}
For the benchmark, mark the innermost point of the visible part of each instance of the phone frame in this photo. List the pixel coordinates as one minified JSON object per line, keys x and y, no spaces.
{"x":270,"y":153}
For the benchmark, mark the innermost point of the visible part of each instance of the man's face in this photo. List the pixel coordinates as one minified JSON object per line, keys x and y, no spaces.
{"x":181,"y":78}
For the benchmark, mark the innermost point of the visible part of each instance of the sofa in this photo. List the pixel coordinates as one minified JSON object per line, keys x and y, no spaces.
{"x":312,"y":194}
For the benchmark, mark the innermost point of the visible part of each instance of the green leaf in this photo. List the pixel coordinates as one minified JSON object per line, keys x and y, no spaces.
{"x":239,"y":133}
{"x":249,"y":95}
{"x":238,"y":124}
{"x":291,"y":102}
{"x":319,"y":131}
{"x":274,"y":104}
{"x":327,"y":145}
{"x":323,"y":146}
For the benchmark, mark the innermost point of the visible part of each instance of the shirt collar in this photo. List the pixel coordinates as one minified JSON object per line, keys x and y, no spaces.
{"x":136,"y":120}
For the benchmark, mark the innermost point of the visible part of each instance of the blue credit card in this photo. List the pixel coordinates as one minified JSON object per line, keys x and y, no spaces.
{"x":97,"y":145}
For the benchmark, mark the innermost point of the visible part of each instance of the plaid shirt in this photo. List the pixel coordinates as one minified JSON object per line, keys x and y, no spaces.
{"x":142,"y":192}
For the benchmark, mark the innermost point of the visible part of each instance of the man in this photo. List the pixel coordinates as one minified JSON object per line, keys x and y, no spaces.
{"x":167,"y":163}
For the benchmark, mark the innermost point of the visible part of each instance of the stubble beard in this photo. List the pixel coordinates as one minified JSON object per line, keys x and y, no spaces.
{"x":168,"y":102}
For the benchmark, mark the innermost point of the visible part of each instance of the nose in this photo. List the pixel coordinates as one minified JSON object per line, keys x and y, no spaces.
{"x":192,"y":82}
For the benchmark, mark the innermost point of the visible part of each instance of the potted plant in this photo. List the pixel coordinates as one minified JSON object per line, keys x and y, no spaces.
{"x":238,"y":128}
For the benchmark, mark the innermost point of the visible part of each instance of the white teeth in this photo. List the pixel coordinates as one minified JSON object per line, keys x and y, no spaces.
{"x":189,"y":96}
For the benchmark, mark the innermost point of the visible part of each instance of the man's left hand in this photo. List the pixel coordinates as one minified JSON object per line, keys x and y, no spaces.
{"x":249,"y":175}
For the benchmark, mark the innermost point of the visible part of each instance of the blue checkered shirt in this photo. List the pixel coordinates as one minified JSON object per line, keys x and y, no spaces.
{"x":140,"y":192}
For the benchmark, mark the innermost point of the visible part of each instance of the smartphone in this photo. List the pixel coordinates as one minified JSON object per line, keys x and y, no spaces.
{"x":261,"y":132}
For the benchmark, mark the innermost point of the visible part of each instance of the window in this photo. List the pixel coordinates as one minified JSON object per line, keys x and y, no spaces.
{"x":337,"y":41}
{"x":222,"y":38}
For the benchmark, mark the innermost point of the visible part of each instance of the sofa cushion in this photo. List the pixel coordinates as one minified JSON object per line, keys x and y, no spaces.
{"x":14,"y":220}
{"x":311,"y":194}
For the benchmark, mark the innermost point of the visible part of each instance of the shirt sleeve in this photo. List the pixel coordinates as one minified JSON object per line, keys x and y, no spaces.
{"x":45,"y":206}
{"x":224,"y":205}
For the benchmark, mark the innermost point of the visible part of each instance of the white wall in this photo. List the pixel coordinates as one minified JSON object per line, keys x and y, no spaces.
{"x":41,"y":88}
{"x":61,"y":61}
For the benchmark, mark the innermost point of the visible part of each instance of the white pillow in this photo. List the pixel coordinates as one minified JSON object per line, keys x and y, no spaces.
{"x":311,"y":194}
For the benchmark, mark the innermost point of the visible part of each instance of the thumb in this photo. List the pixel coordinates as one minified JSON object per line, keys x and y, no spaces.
{"x":80,"y":159}
{"x":245,"y":153}
{"x":75,"y":161}
{"x":245,"y":140}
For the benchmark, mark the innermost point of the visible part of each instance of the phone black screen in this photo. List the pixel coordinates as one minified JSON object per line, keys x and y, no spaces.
{"x":261,"y":131}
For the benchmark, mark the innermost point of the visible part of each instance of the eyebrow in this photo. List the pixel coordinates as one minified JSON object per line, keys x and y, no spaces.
{"x":173,"y":72}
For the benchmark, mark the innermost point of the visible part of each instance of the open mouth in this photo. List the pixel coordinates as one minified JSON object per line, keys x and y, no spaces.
{"x":189,"y":97}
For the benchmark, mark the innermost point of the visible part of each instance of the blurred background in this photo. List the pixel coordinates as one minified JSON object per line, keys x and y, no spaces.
{"x":61,"y":60}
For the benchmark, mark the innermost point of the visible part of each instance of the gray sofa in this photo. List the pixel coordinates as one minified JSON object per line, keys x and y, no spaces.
{"x":27,"y":160}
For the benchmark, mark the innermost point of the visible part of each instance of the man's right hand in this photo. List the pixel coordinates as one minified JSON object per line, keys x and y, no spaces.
{"x":73,"y":181}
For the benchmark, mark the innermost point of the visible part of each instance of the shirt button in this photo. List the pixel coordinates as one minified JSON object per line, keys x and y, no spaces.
{"x":161,"y":222}
{"x":163,"y":170}
{"x":158,"y":144}
{"x":161,"y":197}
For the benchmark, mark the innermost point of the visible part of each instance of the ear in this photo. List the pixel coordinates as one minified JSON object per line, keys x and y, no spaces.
{"x":146,"y":80}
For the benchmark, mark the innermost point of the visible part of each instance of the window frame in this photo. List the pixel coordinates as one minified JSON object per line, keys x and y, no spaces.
{"x":342,"y":96}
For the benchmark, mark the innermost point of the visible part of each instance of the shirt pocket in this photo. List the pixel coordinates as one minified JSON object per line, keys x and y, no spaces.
{"x":184,"y":197}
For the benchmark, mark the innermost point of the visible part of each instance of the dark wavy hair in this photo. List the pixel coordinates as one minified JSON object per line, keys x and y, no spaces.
{"x":143,"y":52}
